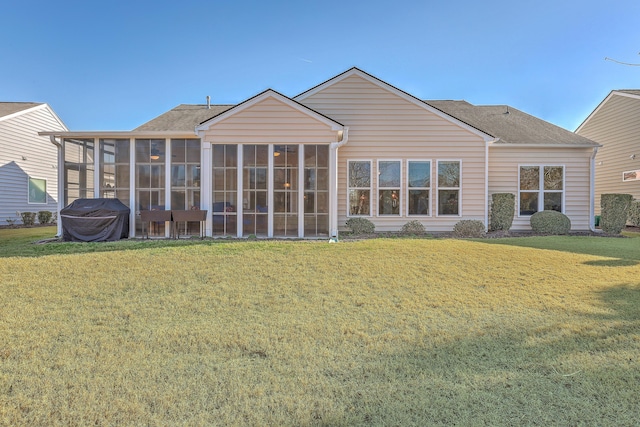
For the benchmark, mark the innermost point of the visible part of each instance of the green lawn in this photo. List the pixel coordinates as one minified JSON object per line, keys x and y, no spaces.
{"x":522,"y":331}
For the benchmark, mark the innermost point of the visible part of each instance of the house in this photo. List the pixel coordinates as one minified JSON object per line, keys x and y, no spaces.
{"x":28,"y":161}
{"x":615,"y":124}
{"x":352,"y":146}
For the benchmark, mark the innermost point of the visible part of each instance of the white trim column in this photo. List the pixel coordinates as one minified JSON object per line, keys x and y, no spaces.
{"x":205,"y":185}
{"x":333,"y":190}
{"x":301,"y":190}
{"x":96,"y":167}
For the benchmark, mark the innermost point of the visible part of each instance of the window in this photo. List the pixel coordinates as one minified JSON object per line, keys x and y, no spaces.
{"x":185,"y":180}
{"x":419,"y":183}
{"x":285,"y":190}
{"x":255,"y":180}
{"x":78,"y":169}
{"x":389,"y":187}
{"x":449,"y":187}
{"x":540,"y":191}
{"x":359,"y":187}
{"x":225,"y":189}
{"x":316,"y":190}
{"x":150,"y":179}
{"x":114,"y":169}
{"x":37,"y":190}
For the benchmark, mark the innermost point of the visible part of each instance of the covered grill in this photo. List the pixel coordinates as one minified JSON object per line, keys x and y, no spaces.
{"x":95,"y":220}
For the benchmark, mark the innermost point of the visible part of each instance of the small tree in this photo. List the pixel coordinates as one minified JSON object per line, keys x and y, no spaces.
{"x":613,"y":212}
{"x":633,"y":215}
{"x":503,"y":206}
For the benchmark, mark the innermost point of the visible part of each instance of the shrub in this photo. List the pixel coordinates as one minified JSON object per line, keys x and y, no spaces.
{"x":633,"y":216}
{"x":28,"y":218}
{"x":360,"y":226}
{"x":469,"y":228}
{"x":503,"y":206}
{"x":413,"y":227}
{"x":613,"y":212}
{"x":550,"y":222}
{"x":44,"y":217}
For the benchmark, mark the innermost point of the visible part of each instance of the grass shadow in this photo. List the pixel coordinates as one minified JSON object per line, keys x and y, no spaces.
{"x":622,"y":252}
{"x":525,"y":374}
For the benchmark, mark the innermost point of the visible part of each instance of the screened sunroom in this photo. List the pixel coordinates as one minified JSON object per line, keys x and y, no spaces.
{"x":262,"y":190}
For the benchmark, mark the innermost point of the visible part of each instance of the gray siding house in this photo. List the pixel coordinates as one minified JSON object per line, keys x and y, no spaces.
{"x":28,"y":161}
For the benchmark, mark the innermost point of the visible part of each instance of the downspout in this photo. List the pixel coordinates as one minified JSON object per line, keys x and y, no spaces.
{"x":333,"y":155}
{"x":60,"y":189}
{"x":592,"y":189}
{"x":486,"y":182}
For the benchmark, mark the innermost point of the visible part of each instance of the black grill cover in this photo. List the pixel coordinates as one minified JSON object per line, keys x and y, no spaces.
{"x":95,"y":220}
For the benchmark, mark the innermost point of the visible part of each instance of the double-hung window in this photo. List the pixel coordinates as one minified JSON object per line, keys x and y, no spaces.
{"x":359,"y":179}
{"x":389,"y":172}
{"x":419,"y":186}
{"x":449,"y":187}
{"x":541,"y":188}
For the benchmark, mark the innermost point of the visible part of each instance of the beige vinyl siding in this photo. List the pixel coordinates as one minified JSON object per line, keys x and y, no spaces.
{"x":504,"y":164}
{"x":616,"y":125}
{"x":270,"y":121}
{"x":24,"y":154}
{"x":385,"y":126}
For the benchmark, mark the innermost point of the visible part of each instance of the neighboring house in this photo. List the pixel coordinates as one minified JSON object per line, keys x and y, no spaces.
{"x":28,"y":161}
{"x":615,"y":124}
{"x":353,"y":146}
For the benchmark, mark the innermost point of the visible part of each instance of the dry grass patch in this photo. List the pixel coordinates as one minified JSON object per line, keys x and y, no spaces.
{"x":376,"y":332}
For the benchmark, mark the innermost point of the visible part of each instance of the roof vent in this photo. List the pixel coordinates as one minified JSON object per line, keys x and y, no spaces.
{"x":208,"y":102}
{"x":507,"y":112}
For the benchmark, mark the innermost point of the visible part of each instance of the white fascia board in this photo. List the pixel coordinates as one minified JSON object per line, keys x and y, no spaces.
{"x":402,"y":94}
{"x":55,"y":116}
{"x":261,"y":97}
{"x":120,"y":134}
{"x":508,"y":145}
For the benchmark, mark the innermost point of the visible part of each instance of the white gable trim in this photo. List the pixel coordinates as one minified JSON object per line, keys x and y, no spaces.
{"x":604,"y":101}
{"x":261,"y":97}
{"x":402,"y":94}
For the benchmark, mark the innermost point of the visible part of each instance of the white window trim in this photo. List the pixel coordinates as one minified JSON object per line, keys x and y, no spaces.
{"x":370,"y":188}
{"x":378,"y":188}
{"x":429,"y":188}
{"x":541,"y":189}
{"x":46,"y":193}
{"x":438,"y":188}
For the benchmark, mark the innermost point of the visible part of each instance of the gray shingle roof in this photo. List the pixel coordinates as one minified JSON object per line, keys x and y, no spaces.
{"x":512,"y":126}
{"x":184,"y":117}
{"x":7,"y":108}
{"x":630,"y":91}
{"x":516,"y":127}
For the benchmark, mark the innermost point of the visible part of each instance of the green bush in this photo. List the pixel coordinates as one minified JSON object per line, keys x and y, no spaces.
{"x":503,"y":206}
{"x":633,"y":216}
{"x":469,"y":228}
{"x":28,"y":218}
{"x":550,"y":222}
{"x":413,"y":227}
{"x":613,"y":210}
{"x":360,"y":226}
{"x":44,"y":217}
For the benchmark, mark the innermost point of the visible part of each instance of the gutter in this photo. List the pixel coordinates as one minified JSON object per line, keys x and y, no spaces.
{"x":60,"y":189}
{"x":333,"y":155}
{"x":592,"y":189}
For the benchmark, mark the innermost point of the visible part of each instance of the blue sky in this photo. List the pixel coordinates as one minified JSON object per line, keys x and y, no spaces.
{"x":114,"y":65}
